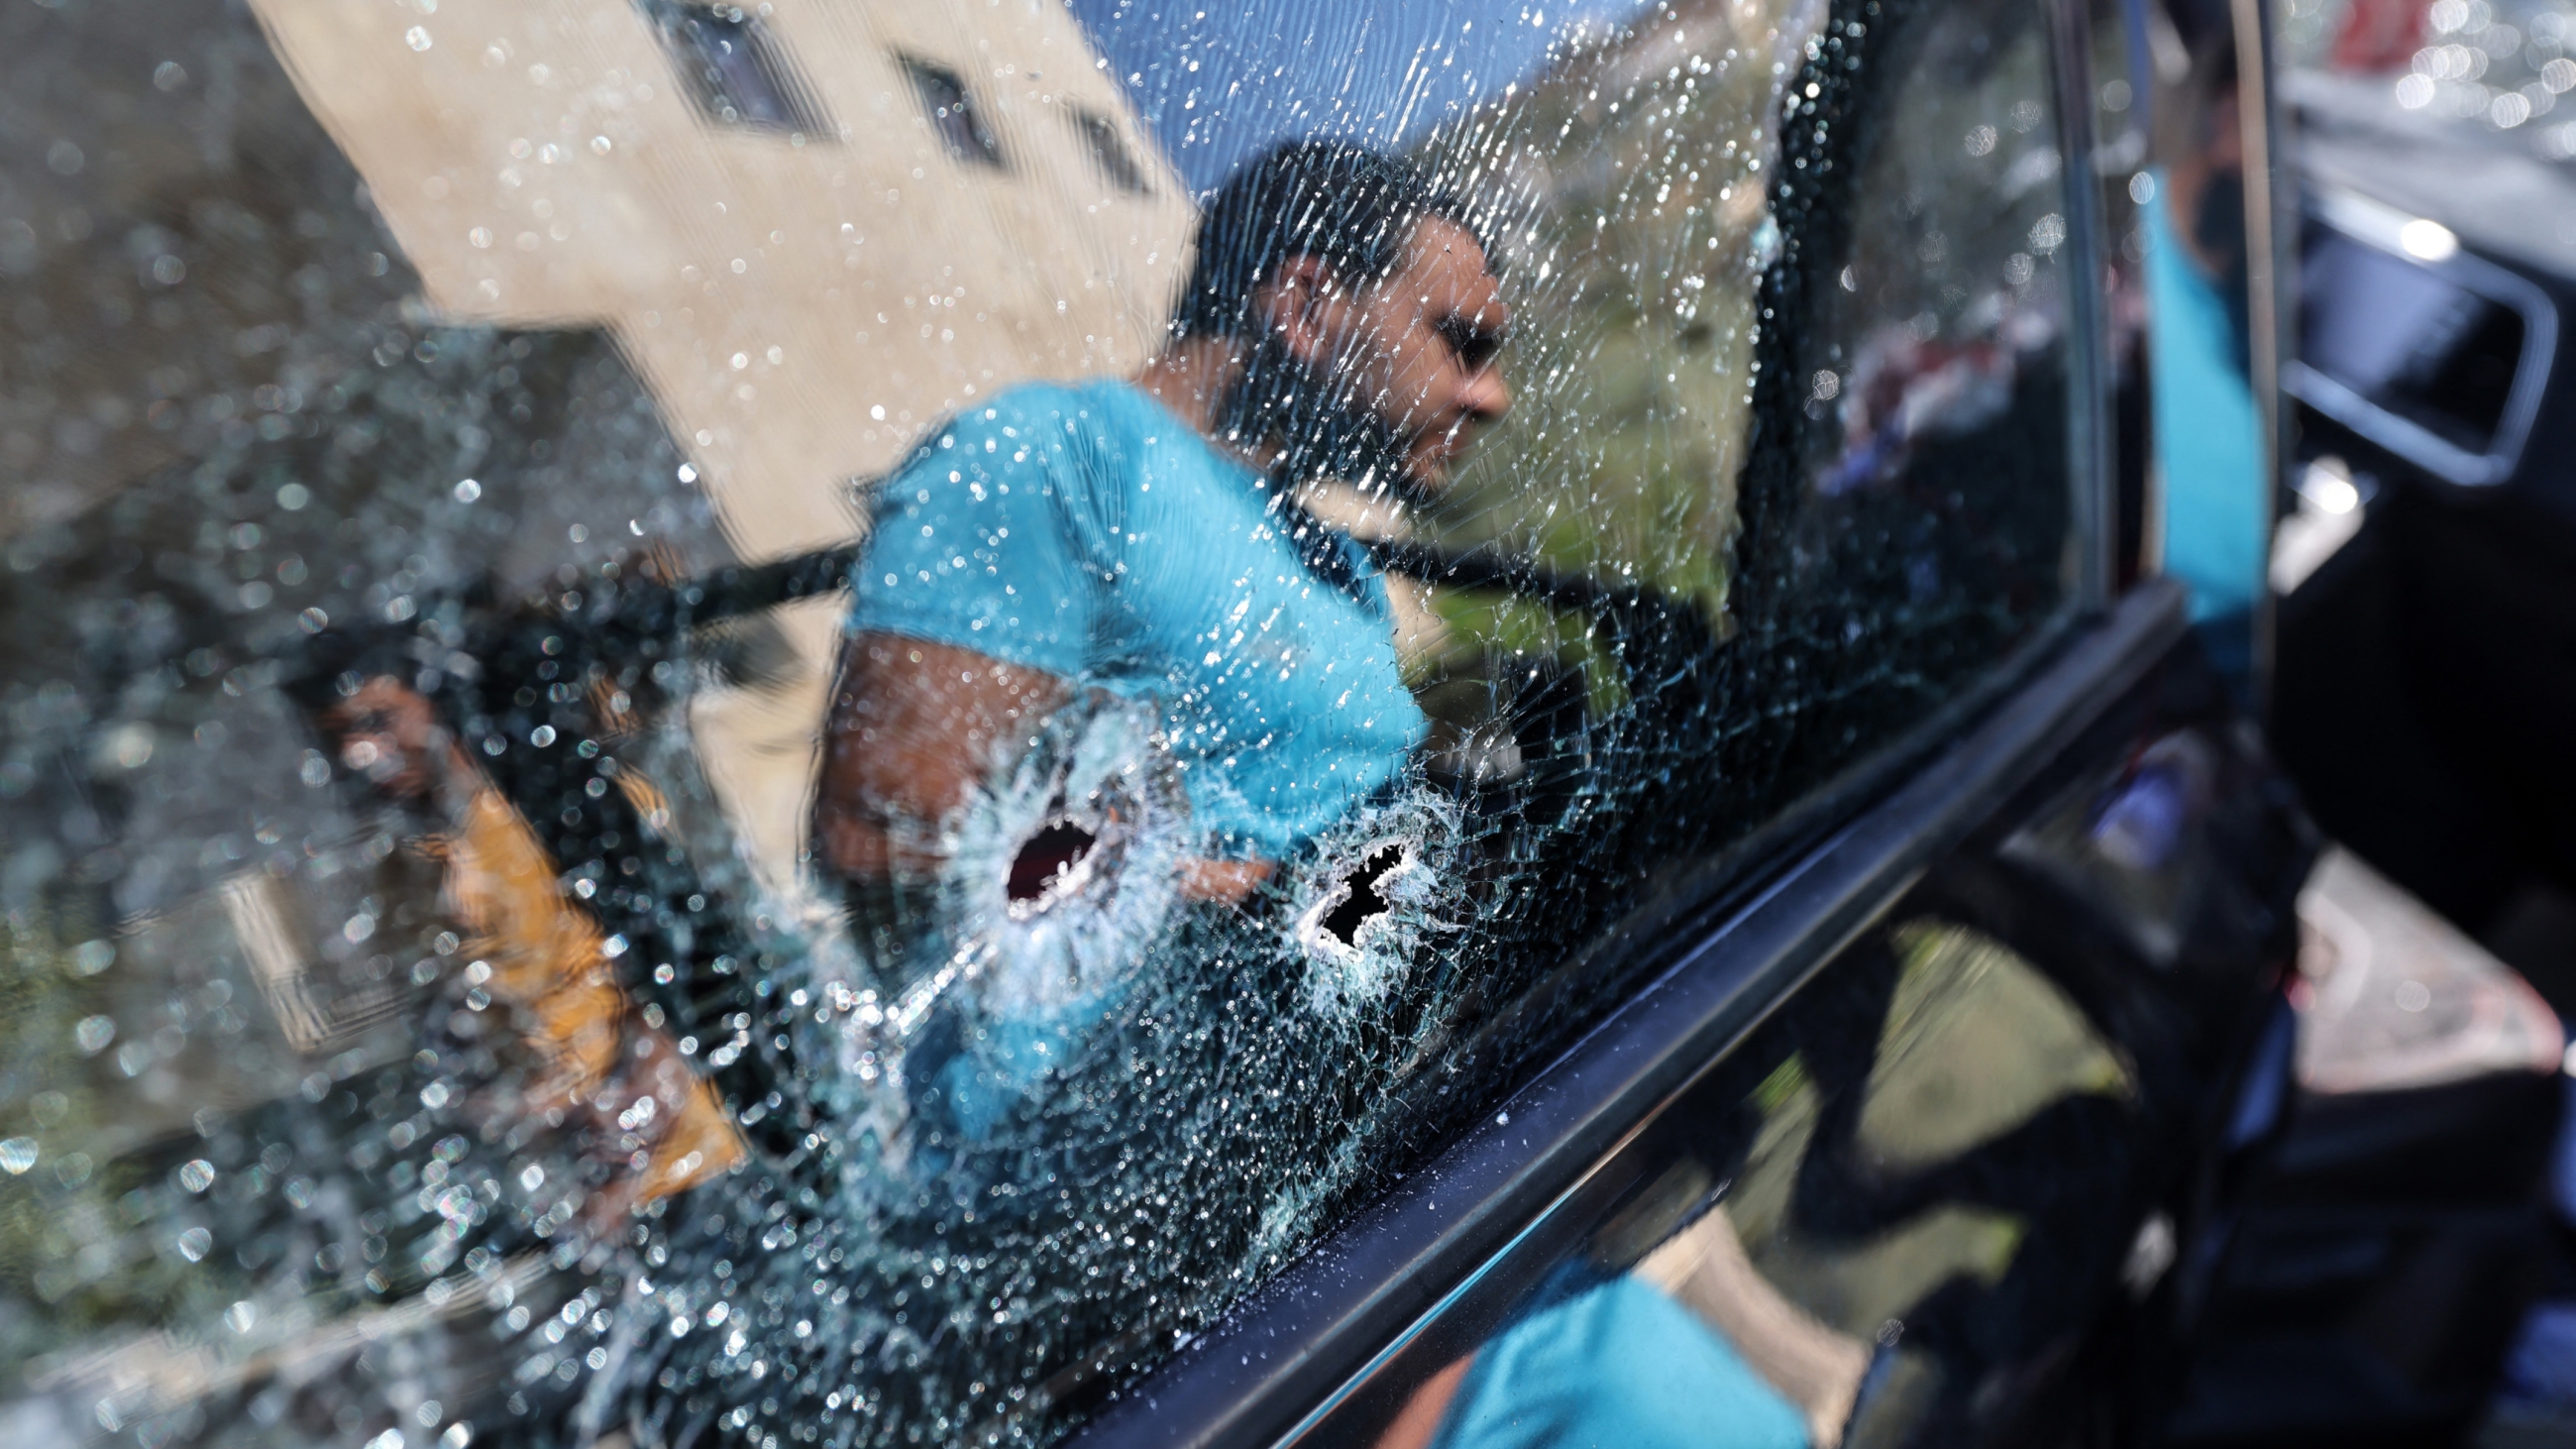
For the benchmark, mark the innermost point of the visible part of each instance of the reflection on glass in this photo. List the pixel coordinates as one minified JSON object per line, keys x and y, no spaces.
{"x":1934,"y":479}
{"x":2127,"y":841}
{"x":1851,"y":1262}
{"x":723,"y":723}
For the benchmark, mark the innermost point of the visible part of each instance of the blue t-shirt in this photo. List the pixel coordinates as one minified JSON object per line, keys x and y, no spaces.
{"x":2206,"y":430}
{"x":1620,"y":1367}
{"x":1085,"y":531}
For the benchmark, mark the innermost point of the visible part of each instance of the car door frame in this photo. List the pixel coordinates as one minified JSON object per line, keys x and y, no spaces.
{"x":1297,"y":1348}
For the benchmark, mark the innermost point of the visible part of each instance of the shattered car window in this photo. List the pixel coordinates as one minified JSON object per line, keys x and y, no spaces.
{"x":766,"y":724}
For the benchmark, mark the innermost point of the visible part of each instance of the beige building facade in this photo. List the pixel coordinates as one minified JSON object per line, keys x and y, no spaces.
{"x":813,"y":229}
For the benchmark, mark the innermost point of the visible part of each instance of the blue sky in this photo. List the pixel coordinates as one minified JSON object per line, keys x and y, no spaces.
{"x":1218,"y":79}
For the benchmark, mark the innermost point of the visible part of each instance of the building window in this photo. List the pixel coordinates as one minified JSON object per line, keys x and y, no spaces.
{"x":953,"y":113}
{"x":1109,"y":153}
{"x":735,"y":68}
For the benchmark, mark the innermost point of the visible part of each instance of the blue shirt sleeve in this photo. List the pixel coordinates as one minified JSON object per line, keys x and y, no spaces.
{"x":993,"y":537}
{"x":1621,"y":1367}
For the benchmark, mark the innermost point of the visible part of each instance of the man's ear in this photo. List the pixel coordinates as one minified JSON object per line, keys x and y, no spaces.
{"x":1298,"y":303}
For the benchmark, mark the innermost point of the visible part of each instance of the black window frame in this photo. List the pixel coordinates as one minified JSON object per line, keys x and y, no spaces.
{"x":1108,"y":151}
{"x":952,"y":113}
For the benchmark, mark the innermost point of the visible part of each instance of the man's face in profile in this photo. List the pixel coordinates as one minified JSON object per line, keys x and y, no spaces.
{"x":1416,"y":351}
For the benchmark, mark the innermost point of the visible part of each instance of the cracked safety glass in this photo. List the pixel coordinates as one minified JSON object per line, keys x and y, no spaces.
{"x":704,"y":743}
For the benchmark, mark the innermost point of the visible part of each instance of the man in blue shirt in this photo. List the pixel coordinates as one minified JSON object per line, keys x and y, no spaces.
{"x":1100,"y":665}
{"x":1129,"y":537}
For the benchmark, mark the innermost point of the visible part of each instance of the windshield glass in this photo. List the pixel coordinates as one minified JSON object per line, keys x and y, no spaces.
{"x":808,"y":726}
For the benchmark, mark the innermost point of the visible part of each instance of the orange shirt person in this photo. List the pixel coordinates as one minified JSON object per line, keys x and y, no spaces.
{"x":548,"y":957}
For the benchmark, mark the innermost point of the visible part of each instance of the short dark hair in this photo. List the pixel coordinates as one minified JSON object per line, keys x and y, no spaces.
{"x":1350,"y":207}
{"x":320,"y":675}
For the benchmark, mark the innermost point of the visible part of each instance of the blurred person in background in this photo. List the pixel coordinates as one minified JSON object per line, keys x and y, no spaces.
{"x":657,"y":1126}
{"x":2208,"y":435}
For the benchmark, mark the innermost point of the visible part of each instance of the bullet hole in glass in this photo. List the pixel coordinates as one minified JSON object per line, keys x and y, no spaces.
{"x":1048,"y":862}
{"x":1363,"y":904}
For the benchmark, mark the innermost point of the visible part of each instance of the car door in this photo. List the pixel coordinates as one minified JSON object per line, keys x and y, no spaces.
{"x":1908,"y":1140}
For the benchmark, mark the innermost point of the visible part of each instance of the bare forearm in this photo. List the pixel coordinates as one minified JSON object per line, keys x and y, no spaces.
{"x":915,"y":726}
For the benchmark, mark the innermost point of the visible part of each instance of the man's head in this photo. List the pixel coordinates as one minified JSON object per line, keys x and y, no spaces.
{"x":388,"y":732}
{"x":1371,"y":310}
{"x":354,"y":689}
